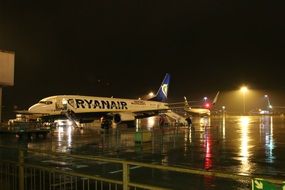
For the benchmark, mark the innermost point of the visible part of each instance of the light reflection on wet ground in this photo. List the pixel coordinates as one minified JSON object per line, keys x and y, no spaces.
{"x":238,"y":144}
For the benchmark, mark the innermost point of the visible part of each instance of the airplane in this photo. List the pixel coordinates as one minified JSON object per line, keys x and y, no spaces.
{"x":267,"y":111}
{"x":84,"y":109}
{"x":201,"y":111}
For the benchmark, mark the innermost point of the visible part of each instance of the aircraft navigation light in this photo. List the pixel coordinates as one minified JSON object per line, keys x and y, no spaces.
{"x":207,"y":105}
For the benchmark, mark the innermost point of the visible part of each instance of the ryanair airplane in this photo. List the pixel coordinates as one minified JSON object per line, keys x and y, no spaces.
{"x":85,"y":109}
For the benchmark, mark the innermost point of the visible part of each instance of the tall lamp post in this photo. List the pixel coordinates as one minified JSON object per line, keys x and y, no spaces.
{"x":244,"y":90}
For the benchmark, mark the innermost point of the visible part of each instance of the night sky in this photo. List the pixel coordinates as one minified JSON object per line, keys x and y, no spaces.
{"x":123,"y":48}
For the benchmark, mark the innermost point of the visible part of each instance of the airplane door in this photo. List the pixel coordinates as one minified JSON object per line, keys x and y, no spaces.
{"x":64,"y":104}
{"x":59,"y":104}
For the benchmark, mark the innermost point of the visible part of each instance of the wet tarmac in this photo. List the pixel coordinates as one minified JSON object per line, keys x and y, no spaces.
{"x":247,"y":145}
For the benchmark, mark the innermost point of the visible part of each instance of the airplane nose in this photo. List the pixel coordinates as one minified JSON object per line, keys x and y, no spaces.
{"x":41,"y":108}
{"x":34,"y":108}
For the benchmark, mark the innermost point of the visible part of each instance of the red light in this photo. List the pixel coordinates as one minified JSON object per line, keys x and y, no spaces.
{"x":207,"y":105}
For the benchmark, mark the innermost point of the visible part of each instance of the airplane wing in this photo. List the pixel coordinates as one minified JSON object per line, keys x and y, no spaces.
{"x":147,"y":113}
{"x":178,"y":103}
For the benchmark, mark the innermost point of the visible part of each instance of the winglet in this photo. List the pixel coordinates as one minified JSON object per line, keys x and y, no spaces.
{"x":161,"y":94}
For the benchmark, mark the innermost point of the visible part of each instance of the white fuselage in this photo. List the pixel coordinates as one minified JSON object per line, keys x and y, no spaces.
{"x":84,"y":104}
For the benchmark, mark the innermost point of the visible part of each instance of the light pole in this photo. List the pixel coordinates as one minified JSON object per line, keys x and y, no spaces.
{"x":268,"y":102}
{"x":269,"y":106}
{"x":243,"y":89}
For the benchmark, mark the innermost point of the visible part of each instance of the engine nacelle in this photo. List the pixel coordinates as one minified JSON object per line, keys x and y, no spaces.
{"x":119,"y":117}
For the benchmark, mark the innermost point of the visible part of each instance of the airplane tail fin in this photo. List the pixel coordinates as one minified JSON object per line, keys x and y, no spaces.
{"x":216,"y":98}
{"x":161,"y":94}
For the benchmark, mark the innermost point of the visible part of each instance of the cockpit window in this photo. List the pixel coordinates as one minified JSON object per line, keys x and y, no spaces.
{"x":46,"y":102}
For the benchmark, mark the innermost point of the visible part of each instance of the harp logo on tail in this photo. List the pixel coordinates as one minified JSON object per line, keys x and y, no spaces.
{"x":165,"y":89}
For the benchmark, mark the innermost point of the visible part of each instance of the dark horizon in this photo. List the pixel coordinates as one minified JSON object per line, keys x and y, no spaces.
{"x":124,"y":49}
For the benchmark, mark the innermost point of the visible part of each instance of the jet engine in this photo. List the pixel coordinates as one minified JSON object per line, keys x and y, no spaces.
{"x":121,"y":117}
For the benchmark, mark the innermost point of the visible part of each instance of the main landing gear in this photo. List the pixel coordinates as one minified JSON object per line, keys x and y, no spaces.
{"x":106,"y":123}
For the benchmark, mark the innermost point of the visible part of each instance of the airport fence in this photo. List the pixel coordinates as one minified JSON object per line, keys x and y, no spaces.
{"x":23,"y":169}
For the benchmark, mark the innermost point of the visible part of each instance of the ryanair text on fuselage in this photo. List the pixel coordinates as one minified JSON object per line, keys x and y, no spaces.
{"x":97,"y":104}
